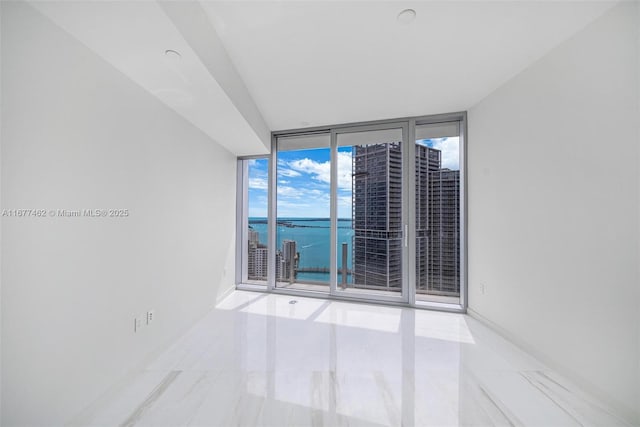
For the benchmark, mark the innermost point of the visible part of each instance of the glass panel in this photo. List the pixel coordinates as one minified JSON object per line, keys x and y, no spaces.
{"x":438,"y":213}
{"x":257,"y":201}
{"x":370,"y":204}
{"x":303,"y":213}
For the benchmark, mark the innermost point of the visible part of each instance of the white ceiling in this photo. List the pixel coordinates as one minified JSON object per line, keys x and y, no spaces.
{"x":250,"y":67}
{"x":312,"y":63}
{"x":133,"y":36}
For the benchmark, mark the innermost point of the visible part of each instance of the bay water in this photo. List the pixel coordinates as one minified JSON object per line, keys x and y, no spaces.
{"x":313,"y":240}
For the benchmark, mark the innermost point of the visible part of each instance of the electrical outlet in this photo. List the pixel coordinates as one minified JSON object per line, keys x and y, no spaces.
{"x":150,"y":316}
{"x":137,"y":323}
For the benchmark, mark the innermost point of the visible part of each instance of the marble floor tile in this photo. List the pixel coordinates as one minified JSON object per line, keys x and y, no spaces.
{"x":257,"y":360}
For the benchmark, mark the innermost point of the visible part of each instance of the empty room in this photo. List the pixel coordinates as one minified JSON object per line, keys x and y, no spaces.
{"x":320,"y":213}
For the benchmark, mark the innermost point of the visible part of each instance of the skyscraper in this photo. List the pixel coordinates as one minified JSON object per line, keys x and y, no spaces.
{"x":443,"y":258}
{"x":257,"y":260}
{"x":428,"y":161}
{"x":287,"y":261}
{"x":377,"y":219}
{"x":377,"y":216}
{"x":254,"y":237}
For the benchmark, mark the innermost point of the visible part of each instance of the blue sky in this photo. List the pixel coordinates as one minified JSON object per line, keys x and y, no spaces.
{"x":303,"y":180}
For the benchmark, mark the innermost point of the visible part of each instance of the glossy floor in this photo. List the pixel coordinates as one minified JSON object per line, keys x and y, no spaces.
{"x":259,"y":359}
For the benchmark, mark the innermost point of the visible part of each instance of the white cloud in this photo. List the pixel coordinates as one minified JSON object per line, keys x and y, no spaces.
{"x":258,"y":184}
{"x":289,"y":192}
{"x":258,"y":205}
{"x":345,"y":201}
{"x":322,"y":171}
{"x":309,"y":196}
{"x":319,"y":171}
{"x":310,"y":209}
{"x":287,"y":172}
{"x":450,"y":151}
{"x":318,"y":194}
{"x":344,"y":169}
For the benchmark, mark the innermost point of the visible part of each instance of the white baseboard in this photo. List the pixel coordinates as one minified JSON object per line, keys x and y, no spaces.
{"x":225,"y":294}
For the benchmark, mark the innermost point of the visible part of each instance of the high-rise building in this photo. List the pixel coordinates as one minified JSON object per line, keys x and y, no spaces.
{"x":427,"y":162}
{"x":377,"y":216}
{"x":257,"y":260}
{"x":254,"y":237}
{"x":443,"y":258}
{"x":287,"y":261}
{"x":377,"y":219}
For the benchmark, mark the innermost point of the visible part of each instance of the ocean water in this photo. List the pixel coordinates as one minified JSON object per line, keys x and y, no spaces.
{"x":312,"y":236}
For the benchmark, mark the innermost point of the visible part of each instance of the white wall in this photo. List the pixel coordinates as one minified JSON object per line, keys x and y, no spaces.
{"x":554,"y":208}
{"x":78,"y":134}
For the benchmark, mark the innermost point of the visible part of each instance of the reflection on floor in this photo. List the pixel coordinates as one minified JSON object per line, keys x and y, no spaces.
{"x":258,"y":359}
{"x":363,"y":292}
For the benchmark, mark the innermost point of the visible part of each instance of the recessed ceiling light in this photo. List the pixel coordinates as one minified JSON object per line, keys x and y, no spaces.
{"x":406,"y":16}
{"x":173,"y":54}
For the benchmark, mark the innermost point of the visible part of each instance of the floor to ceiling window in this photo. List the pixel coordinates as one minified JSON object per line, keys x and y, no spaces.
{"x":370,"y":159}
{"x":303,"y":219}
{"x":254,"y":200}
{"x":358,"y":212}
{"x":437,"y":220}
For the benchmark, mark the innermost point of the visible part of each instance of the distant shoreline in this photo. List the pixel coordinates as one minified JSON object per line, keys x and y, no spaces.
{"x":295,"y":222}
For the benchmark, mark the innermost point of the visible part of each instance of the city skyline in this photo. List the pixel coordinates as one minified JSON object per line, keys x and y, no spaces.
{"x":375,"y":175}
{"x":304,"y":180}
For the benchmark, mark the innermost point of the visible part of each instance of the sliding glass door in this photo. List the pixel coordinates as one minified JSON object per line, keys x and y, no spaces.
{"x":303,"y":219}
{"x":370,"y":212}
